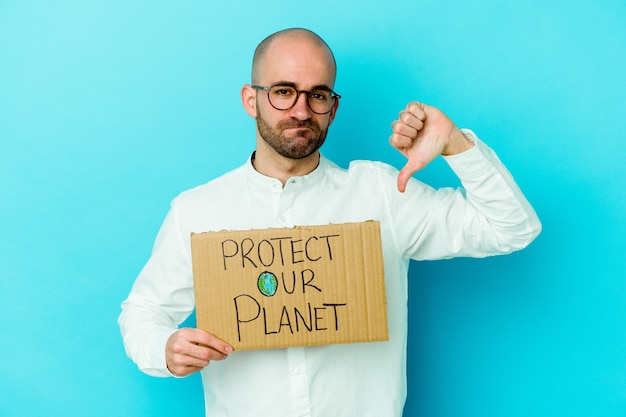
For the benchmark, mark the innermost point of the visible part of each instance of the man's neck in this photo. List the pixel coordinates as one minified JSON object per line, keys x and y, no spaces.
{"x":276,"y":166}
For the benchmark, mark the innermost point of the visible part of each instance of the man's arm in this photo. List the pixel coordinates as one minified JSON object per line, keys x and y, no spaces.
{"x":489,"y":216}
{"x":161,"y":299}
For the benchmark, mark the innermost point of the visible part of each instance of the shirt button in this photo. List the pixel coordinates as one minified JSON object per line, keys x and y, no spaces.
{"x":281,"y":219}
{"x":296,"y":371}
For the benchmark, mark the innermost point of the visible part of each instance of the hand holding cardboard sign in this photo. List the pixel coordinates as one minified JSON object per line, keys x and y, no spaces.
{"x":422,"y":133}
{"x":189,"y":350}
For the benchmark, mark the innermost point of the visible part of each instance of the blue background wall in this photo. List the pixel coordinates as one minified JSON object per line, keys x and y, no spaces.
{"x":109,"y":109}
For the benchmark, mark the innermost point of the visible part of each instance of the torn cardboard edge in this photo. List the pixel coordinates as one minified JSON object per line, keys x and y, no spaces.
{"x":287,"y":287}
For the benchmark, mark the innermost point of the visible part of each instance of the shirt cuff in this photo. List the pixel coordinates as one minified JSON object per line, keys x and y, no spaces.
{"x":156,"y":364}
{"x":475,"y":162}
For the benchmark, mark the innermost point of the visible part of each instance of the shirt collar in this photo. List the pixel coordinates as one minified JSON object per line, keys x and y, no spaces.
{"x":265,"y":181}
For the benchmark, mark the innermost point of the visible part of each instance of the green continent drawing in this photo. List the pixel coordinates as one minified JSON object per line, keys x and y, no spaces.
{"x":267,"y":284}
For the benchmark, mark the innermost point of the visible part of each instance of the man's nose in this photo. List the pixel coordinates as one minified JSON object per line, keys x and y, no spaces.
{"x":300,"y":109}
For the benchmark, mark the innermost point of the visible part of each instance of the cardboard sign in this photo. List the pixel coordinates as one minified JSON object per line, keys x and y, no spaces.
{"x":302,"y":286}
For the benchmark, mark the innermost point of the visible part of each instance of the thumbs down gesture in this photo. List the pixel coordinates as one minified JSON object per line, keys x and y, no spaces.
{"x":421,"y":133}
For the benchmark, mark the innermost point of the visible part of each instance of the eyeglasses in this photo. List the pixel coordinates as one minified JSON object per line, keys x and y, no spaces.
{"x":284,"y":97}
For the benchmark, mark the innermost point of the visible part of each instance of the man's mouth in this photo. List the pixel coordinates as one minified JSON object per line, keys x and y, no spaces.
{"x":288,"y":125}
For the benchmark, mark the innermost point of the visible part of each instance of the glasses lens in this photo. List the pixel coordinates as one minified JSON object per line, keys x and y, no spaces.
{"x":320,"y":101}
{"x":283,"y":97}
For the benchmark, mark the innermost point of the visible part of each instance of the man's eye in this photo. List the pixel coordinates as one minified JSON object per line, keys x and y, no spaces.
{"x":283,"y":92}
{"x":320,"y":95}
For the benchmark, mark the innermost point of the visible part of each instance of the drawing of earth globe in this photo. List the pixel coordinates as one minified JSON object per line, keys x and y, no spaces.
{"x":267,"y":283}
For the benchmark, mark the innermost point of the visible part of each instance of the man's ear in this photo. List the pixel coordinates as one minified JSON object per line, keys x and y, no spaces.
{"x":248,"y":99}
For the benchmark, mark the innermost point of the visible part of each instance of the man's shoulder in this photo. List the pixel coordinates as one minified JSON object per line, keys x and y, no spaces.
{"x":363,"y":173}
{"x":226,"y":182}
{"x":371,"y":167}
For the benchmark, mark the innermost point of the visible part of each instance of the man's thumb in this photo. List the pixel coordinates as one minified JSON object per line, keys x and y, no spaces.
{"x":407,"y":172}
{"x":403,"y":178}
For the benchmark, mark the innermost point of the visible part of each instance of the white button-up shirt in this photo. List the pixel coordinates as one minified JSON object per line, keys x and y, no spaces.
{"x":488,"y":216}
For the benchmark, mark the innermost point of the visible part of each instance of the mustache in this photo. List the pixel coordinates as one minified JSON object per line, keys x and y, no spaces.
{"x":295,"y":123}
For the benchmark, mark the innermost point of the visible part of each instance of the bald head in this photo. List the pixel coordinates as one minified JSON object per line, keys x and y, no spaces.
{"x":296,"y":34}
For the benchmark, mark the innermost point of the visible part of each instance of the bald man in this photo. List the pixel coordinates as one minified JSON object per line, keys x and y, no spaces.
{"x":286,"y":182}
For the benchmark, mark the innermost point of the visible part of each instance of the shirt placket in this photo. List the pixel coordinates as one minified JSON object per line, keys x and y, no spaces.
{"x":299,"y":382}
{"x":296,"y":359}
{"x":284,"y":212}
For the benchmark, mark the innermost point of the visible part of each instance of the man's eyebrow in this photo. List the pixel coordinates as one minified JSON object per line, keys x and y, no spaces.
{"x":322,"y":87}
{"x":284,"y":84}
{"x":292,"y":84}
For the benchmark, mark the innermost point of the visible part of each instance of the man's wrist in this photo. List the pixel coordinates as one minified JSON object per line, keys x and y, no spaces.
{"x":458,"y":143}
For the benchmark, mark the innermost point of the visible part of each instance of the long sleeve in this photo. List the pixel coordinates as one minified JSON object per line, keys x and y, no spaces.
{"x":161,"y":299}
{"x":488,"y":216}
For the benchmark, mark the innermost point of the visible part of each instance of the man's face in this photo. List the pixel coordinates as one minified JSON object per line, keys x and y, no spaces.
{"x":298,"y":132}
{"x":290,"y":137}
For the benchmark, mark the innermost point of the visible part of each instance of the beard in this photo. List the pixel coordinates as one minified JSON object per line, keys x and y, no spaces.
{"x":303,"y":143}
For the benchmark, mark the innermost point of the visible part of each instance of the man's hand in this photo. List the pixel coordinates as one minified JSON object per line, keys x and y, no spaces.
{"x":189,"y":350}
{"x":422,"y":133}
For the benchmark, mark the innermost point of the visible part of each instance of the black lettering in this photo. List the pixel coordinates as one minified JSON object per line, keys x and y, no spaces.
{"x":265,"y":323}
{"x":293,"y":282}
{"x":330,"y":251}
{"x":318,"y":318}
{"x":308,"y":283}
{"x":280,"y":247}
{"x":306,"y":250}
{"x":297,"y":314}
{"x":334,"y":306}
{"x":285,"y":314}
{"x":270,"y":251}
{"x":294,"y":251}
{"x":239,"y":320}
{"x":246,"y":252}
{"x":224,"y":255}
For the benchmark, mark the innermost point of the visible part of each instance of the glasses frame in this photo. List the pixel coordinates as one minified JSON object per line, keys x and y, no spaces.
{"x":334,"y":96}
